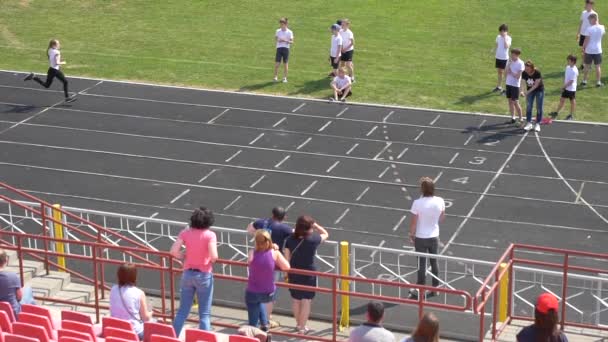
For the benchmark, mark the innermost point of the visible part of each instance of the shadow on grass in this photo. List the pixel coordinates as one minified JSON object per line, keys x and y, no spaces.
{"x":471,"y":99}
{"x":312,"y":86}
{"x":257,"y":86}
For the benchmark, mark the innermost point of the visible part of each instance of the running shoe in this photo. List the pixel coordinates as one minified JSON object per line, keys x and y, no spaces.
{"x":343,"y":100}
{"x":273,"y":324}
{"x":570,"y":117}
{"x":331,"y":99}
{"x":70,"y":99}
{"x":599,"y":84}
{"x":528,"y":126}
{"x":496,"y":89}
{"x":537,"y":127}
{"x":430,"y":294}
{"x":513,"y":120}
{"x":584,"y":84}
{"x":413,"y":294}
{"x":284,"y":79}
{"x":29,"y":77}
{"x":275,"y":79}
{"x":553,"y":114}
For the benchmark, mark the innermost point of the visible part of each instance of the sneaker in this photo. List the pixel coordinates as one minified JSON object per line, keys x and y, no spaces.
{"x":528,"y":126}
{"x":29,"y":77}
{"x":331,"y":99}
{"x":304,"y":330}
{"x":553,"y":114}
{"x":343,"y":100}
{"x":599,"y":84}
{"x":284,"y":79}
{"x":584,"y":84}
{"x":352,"y":80}
{"x":413,"y":294}
{"x":275,"y":79}
{"x":430,"y":294}
{"x":502,"y":92}
{"x":273,"y":324}
{"x":513,"y":120}
{"x":496,"y":89}
{"x":537,"y":127}
{"x":570,"y":117}
{"x":70,"y":99}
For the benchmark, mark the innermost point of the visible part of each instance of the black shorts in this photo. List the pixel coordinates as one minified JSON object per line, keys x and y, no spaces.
{"x":282,"y":55}
{"x":512,"y":93}
{"x":593,"y":59}
{"x":334,"y":65}
{"x":347,"y":56}
{"x":581,"y":40}
{"x":501,"y":63}
{"x":340,"y":93}
{"x":569,"y":94}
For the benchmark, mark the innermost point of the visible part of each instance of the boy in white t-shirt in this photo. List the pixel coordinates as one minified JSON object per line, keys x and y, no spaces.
{"x":593,"y":49}
{"x":514,"y":69}
{"x":284,"y":39}
{"x":341,"y":86}
{"x":584,"y":25}
{"x":503,"y":43}
{"x":336,"y":50}
{"x":348,"y":48}
{"x":569,"y":89}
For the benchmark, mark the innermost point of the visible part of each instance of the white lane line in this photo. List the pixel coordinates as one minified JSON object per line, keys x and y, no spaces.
{"x":438,"y":176}
{"x":435,"y":120}
{"x":454,"y":158}
{"x":580,"y":193}
{"x":559,"y":174}
{"x":362,"y":194}
{"x":144,"y":222}
{"x":373,"y":254}
{"x":324,"y":126}
{"x":388,"y":144}
{"x":279,"y":122}
{"x":256,"y":139}
{"x":371,"y":131}
{"x":233,"y":201}
{"x":485,"y":191}
{"x":383,"y":172}
{"x":298,"y":107}
{"x":290,"y":205}
{"x":333,"y":166}
{"x":341,"y":112}
{"x":481,"y":124}
{"x":402,"y":152}
{"x":399,"y":223}
{"x":388,"y":116}
{"x":308,"y":188}
{"x":233,"y":156}
{"x":218,"y":116}
{"x":419,"y":135}
{"x":342,"y":216}
{"x":207,"y":175}
{"x":304,"y":143}
{"x":282,"y":161}
{"x":352,"y":149}
{"x":468,"y":140}
{"x":179,"y":196}
{"x":257,"y":182}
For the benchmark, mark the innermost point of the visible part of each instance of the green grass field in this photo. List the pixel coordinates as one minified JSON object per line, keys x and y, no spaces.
{"x":432,"y":53}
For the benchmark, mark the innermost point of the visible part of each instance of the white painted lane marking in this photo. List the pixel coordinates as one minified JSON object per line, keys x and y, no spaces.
{"x":438,"y":176}
{"x":435,"y":120}
{"x":341,"y":112}
{"x":388,"y":116}
{"x":468,"y":140}
{"x":233,"y":156}
{"x":282,"y":161}
{"x":333,"y":166}
{"x":290,"y":205}
{"x":362,"y":194}
{"x":179,"y":196}
{"x":342,"y":216}
{"x":399,"y":223}
{"x":324,"y":126}
{"x":352,"y":149}
{"x":144,"y":222}
{"x":304,"y":143}
{"x":373,"y":254}
{"x":419,"y":135}
{"x":383,"y":172}
{"x":371,"y":131}
{"x":402,"y":152}
{"x":256,"y":139}
{"x":308,"y":188}
{"x":279,"y":122}
{"x":207,"y":175}
{"x":388,"y":144}
{"x":454,"y":158}
{"x":579,"y":194}
{"x":257,"y":182}
{"x":233,"y":202}
{"x":481,"y":124}
{"x":298,"y":107}
{"x":218,"y":116}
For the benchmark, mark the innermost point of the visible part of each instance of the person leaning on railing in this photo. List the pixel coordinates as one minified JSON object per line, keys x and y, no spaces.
{"x":10,"y":287}
{"x":200,"y":254}
{"x":545,"y":327}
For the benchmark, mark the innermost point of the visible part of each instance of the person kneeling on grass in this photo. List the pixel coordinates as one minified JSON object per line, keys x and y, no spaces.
{"x":342,"y":86}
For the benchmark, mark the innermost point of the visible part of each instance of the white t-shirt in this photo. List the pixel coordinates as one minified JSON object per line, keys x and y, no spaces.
{"x":53,"y":53}
{"x":595,"y":34}
{"x":284,"y":35}
{"x":336,"y":41}
{"x":502,"y":52}
{"x":515,"y":67}
{"x":341,"y":82}
{"x":429,"y":211}
{"x":571,"y":74}
{"x":347,"y":36}
{"x":585,"y":20}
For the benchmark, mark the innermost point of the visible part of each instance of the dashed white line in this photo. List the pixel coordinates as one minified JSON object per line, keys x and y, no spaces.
{"x":290,"y":205}
{"x":298,"y":107}
{"x":438,"y":176}
{"x":308,"y":188}
{"x":256,"y":139}
{"x":279,"y":122}
{"x":399,"y":223}
{"x":233,"y":156}
{"x":232,"y":203}
{"x":419,"y":135}
{"x":304,"y":143}
{"x":388,"y":116}
{"x":402,"y":152}
{"x":454,"y":158}
{"x":388,"y":144}
{"x":257,"y":181}
{"x":580,"y":192}
{"x":371,"y":131}
{"x":468,"y":140}
{"x":352,"y":149}
{"x":144,"y":222}
{"x":376,"y":250}
{"x":341,"y":112}
{"x":383,"y":172}
{"x":333,"y":166}
{"x":179,"y":196}
{"x":218,"y":116}
{"x":283,"y":160}
{"x":342,"y":216}
{"x":435,"y":120}
{"x":482,"y":123}
{"x":207,"y":175}
{"x":362,"y":194}
{"x":324,"y":126}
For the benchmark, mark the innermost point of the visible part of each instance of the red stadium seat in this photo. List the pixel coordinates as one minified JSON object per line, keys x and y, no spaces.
{"x":18,"y":338}
{"x":6,"y":307}
{"x":111,"y":322}
{"x":5,"y":323}
{"x":76,"y":317}
{"x":154,"y":328}
{"x":40,"y":321}
{"x":41,"y":311}
{"x":159,"y":338}
{"x":116,"y":339}
{"x":70,"y":339}
{"x":80,"y":327}
{"x":75,"y":334}
{"x":32,"y":331}
{"x":194,"y":335}
{"x":128,"y":335}
{"x":241,"y":338}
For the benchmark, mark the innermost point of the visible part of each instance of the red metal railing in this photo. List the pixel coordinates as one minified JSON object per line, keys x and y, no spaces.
{"x":489,"y":289}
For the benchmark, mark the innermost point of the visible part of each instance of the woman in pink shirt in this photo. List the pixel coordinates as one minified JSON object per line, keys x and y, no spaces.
{"x":200,"y":254}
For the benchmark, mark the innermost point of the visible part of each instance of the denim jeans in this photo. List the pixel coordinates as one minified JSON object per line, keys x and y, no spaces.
{"x":256,"y":307}
{"x":429,"y":246}
{"x":539,"y":95}
{"x":200,"y":283}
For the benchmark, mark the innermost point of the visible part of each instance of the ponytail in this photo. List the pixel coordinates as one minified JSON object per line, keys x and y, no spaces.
{"x":52,"y":42}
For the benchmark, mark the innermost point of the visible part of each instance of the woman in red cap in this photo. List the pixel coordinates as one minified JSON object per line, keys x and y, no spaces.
{"x":544,"y":328}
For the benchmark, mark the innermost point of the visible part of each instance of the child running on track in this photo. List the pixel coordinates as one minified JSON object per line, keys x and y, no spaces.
{"x":54,"y":72}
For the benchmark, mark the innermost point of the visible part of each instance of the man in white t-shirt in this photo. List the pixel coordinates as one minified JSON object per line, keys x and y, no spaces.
{"x":593,"y":49}
{"x":284,"y":39}
{"x":341,"y":85}
{"x":336,"y":49}
{"x":568,"y":89}
{"x":584,"y":25}
{"x":348,"y":48}
{"x":503,"y":43}
{"x":427,"y":211}
{"x":515,"y":68}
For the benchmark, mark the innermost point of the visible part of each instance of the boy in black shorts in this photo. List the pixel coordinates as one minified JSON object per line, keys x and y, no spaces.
{"x":284,"y":39}
{"x":336,"y":50}
{"x":348,"y":49}
{"x":503,"y":43}
{"x":569,"y":88}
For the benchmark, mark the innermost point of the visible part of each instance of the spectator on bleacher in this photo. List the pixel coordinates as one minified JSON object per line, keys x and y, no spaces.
{"x":372,"y":330}
{"x":129,"y":302}
{"x":198,"y":259}
{"x":279,"y":232}
{"x":260,"y":286}
{"x":545,"y":322}
{"x":300,"y":250}
{"x":426,"y":331}
{"x":427,"y":211}
{"x":10,"y":287}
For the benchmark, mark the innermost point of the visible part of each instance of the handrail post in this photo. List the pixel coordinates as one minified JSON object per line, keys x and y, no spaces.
{"x":20,"y":257}
{"x":504,"y":293}
{"x":101,"y":268}
{"x":334,"y":309}
{"x":564,"y":291}
{"x":162,"y":285}
{"x":43,"y":215}
{"x":511,"y":284}
{"x":495,"y":306}
{"x":58,"y":233}
{"x":172,"y":286}
{"x":421,"y":295}
{"x":95,"y":280}
{"x":344,"y":285}
{"x":482,"y":322}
